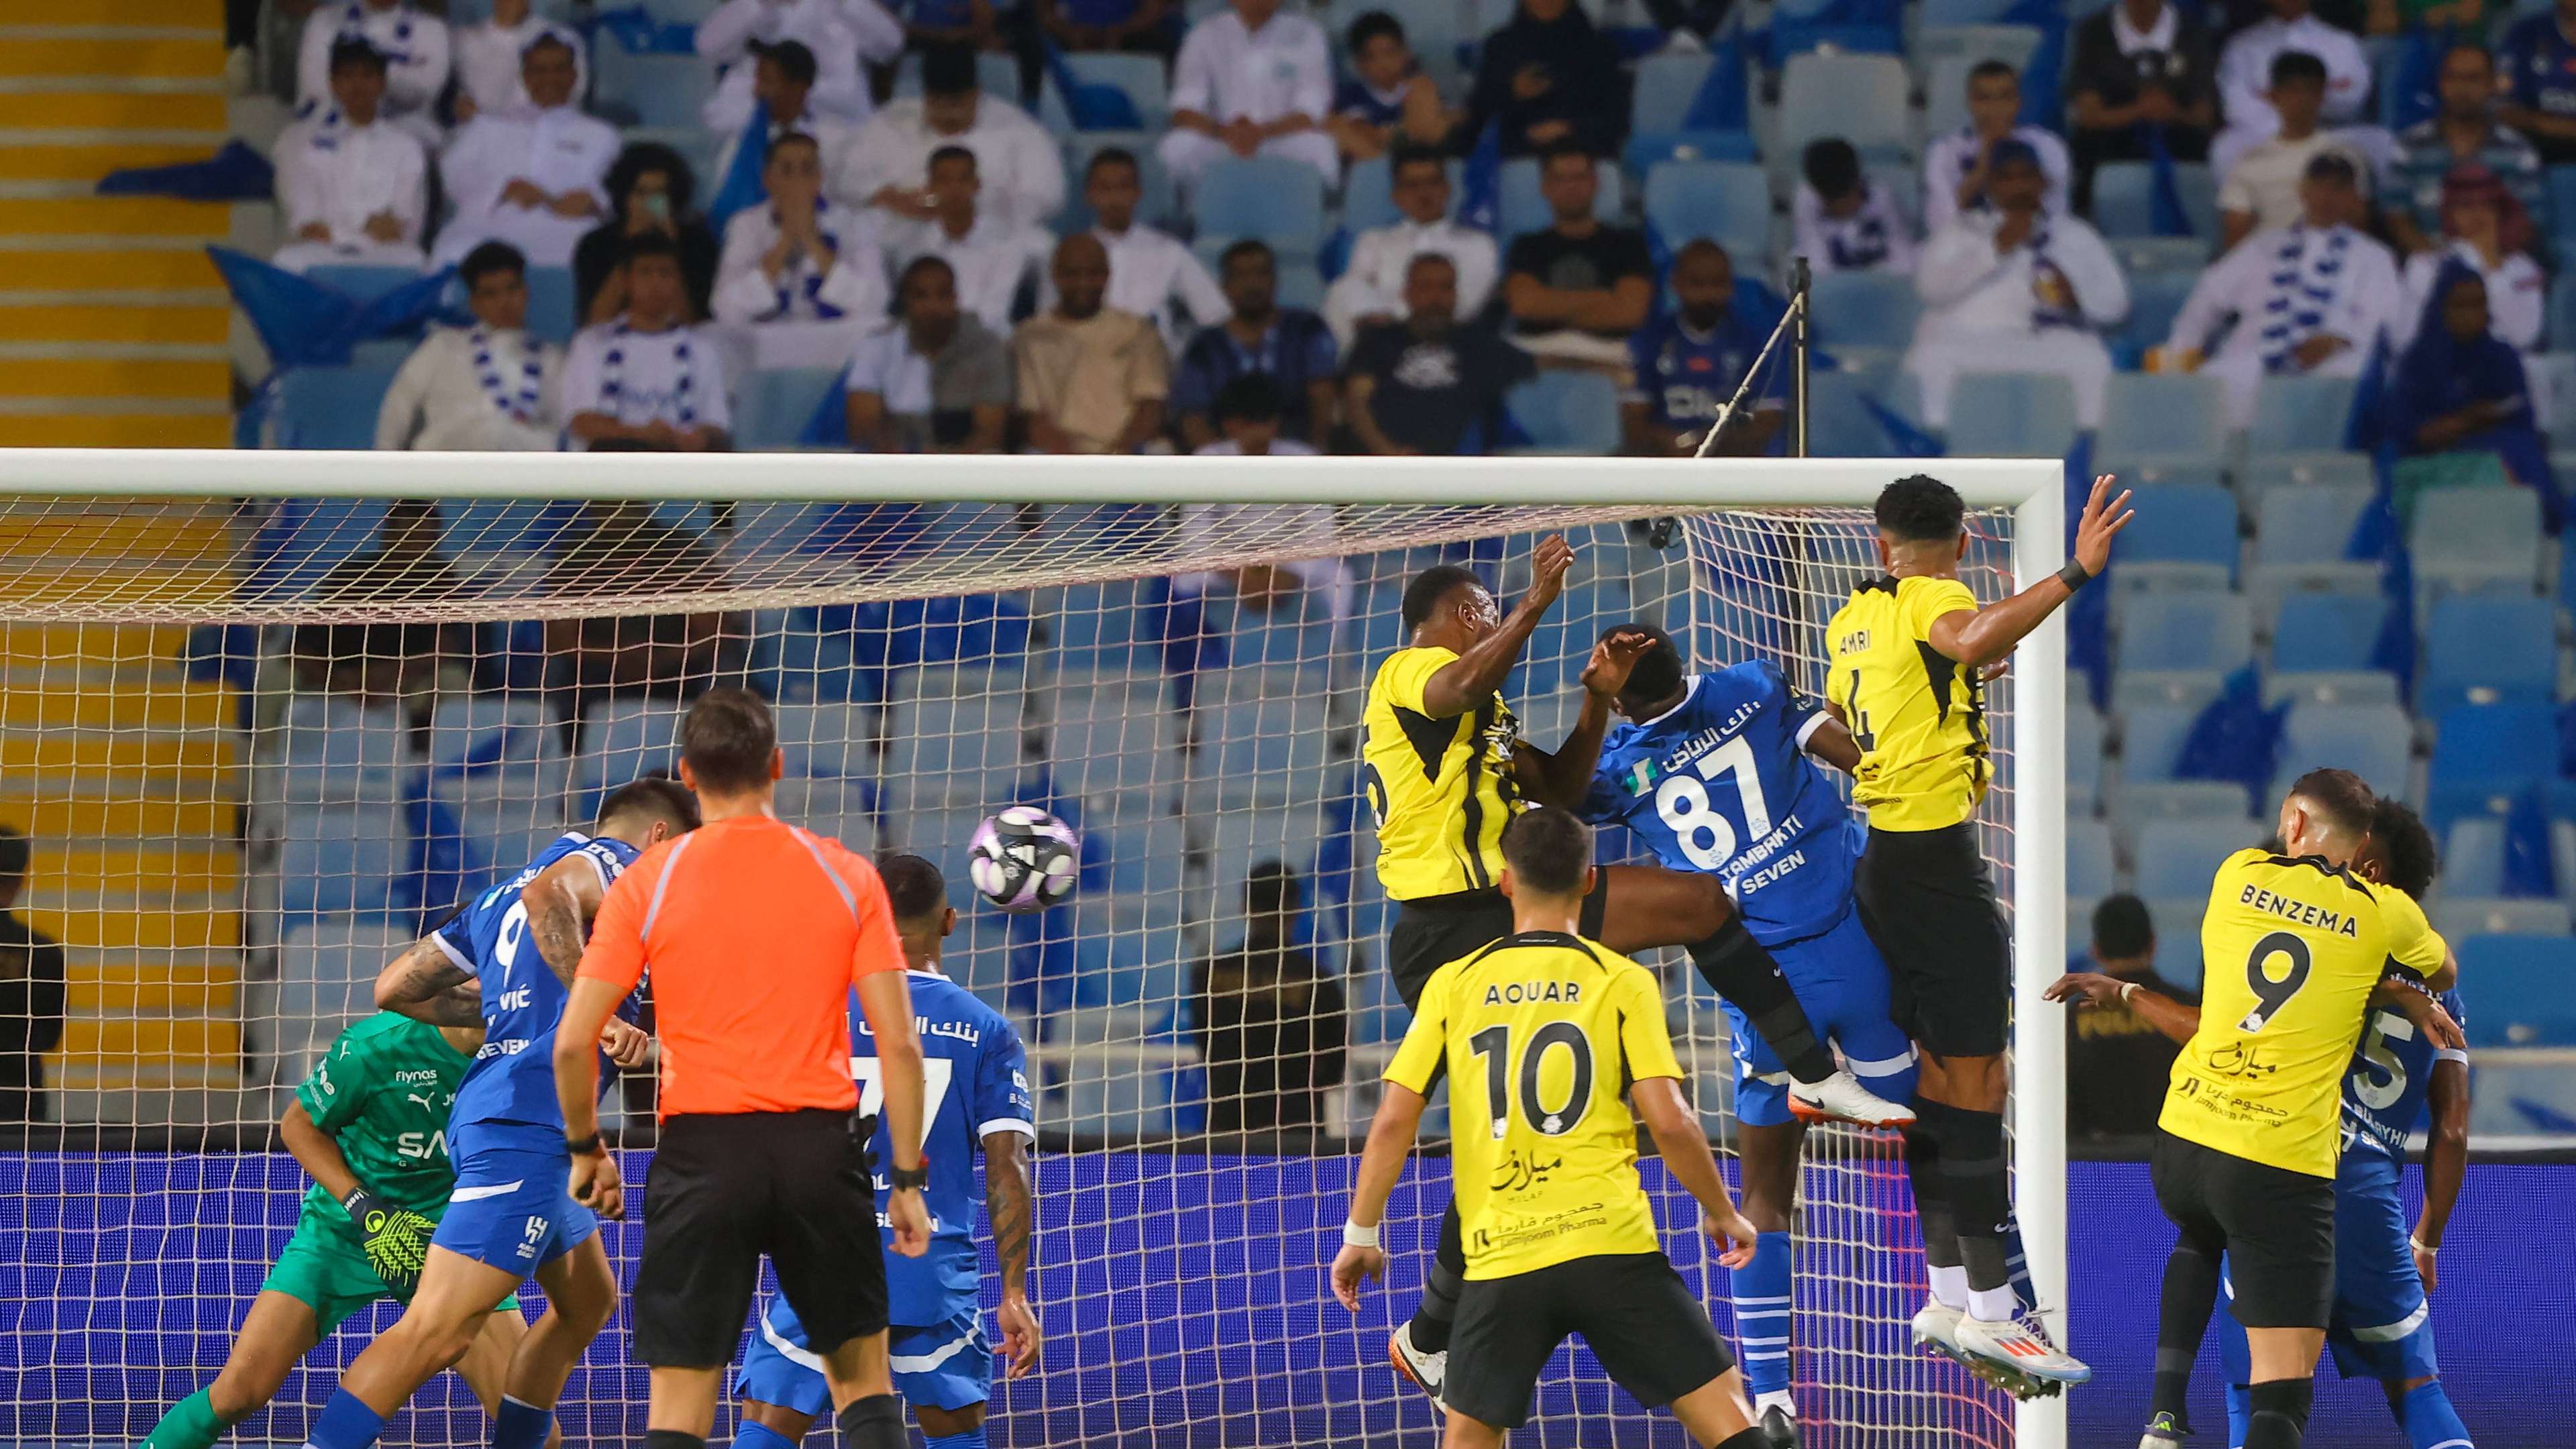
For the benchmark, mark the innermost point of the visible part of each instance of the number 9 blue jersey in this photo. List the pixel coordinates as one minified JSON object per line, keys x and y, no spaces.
{"x":1721,"y":784}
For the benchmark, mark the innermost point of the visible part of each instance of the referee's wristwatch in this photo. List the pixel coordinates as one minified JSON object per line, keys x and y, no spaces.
{"x":916,"y":1179}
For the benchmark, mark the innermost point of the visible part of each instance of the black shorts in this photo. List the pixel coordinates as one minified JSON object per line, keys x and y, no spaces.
{"x":1652,"y":1337}
{"x":2276,"y":1226}
{"x":1433,"y":931}
{"x":725,"y":1189}
{"x":1926,"y":899}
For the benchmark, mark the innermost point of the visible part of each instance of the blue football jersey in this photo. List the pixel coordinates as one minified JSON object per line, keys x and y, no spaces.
{"x":1683,"y":378}
{"x":975,"y":1082}
{"x":513,"y":1076}
{"x":2392,"y":1073}
{"x":1720,"y":784}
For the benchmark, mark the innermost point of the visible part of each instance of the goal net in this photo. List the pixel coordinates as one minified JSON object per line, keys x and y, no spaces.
{"x":260,"y":742}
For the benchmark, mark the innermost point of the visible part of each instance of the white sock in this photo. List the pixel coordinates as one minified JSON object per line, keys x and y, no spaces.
{"x":1950,"y":1285}
{"x":1992,"y":1305}
{"x":1776,"y":1399}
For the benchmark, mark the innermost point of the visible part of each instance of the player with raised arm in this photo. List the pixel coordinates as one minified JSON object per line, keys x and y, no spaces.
{"x":506,"y":961}
{"x":1446,"y":770}
{"x":1715,"y":772}
{"x":1910,"y":651}
{"x":976,"y":1099}
{"x":1538,"y":1033}
{"x":369,"y":1126}
{"x":2397,"y":1082}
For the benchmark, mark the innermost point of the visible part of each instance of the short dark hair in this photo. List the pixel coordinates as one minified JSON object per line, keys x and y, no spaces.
{"x":553,"y":37}
{"x":490,"y":257}
{"x":1410,"y":153}
{"x":2473,"y":48}
{"x":948,"y":69}
{"x":648,"y":243}
{"x":793,"y":59}
{"x":792,"y":138}
{"x":1658,"y":672}
{"x":1989,"y":68}
{"x":1832,"y":167}
{"x":15,"y":853}
{"x":915,"y":890}
{"x":1271,"y":888}
{"x":1252,"y":397}
{"x":1548,"y":850}
{"x":641,"y":157}
{"x":2297,"y":65}
{"x":355,"y":50}
{"x":926,"y":262}
{"x":1432,"y":585}
{"x":1556,"y":151}
{"x":1370,"y":26}
{"x":1700,"y":246}
{"x":655,"y":797}
{"x":728,"y":738}
{"x":2122,"y":929}
{"x":1248,"y":247}
{"x":2408,"y":859}
{"x":952,"y":153}
{"x":2332,"y":166}
{"x":1111,"y":156}
{"x":2340,"y":796}
{"x":1920,"y":509}
{"x":1431,"y":259}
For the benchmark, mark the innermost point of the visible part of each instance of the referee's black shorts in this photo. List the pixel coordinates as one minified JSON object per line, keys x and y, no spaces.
{"x":1927,"y":901}
{"x":1651,"y":1335}
{"x":1432,"y":931}
{"x":725,"y":1189}
{"x":2276,"y":1226}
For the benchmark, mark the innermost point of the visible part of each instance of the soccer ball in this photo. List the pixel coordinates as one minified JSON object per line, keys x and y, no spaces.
{"x":1024,"y":859}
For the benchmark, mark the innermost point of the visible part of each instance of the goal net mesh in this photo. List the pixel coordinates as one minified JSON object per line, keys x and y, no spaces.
{"x":258,"y":748}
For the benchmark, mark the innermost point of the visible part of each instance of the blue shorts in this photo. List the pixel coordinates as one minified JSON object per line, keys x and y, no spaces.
{"x":512,"y":1207}
{"x":1841,"y":980}
{"x":946,"y":1366}
{"x":2382,"y":1325}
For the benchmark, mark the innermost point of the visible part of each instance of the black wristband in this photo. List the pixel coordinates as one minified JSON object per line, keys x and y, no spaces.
{"x":2074,"y":576}
{"x":915,"y":1178}
{"x":583,"y":1146}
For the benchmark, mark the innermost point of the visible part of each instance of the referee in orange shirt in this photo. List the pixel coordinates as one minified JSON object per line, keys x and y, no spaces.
{"x":755,"y":932}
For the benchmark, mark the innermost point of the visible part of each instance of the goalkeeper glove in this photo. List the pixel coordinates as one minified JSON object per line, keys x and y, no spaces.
{"x":395,"y":1239}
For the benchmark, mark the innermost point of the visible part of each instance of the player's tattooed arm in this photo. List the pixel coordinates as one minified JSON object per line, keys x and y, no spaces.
{"x":1007,"y":1207}
{"x":423,"y":984}
{"x":561,"y":902}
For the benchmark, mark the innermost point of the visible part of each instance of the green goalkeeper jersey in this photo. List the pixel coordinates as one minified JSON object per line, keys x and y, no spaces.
{"x":383,"y":1092}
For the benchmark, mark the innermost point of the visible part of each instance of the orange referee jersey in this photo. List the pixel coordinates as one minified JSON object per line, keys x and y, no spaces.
{"x":754,"y":931}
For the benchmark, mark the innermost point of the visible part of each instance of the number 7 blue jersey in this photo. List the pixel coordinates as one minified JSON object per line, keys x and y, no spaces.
{"x":1721,"y":784}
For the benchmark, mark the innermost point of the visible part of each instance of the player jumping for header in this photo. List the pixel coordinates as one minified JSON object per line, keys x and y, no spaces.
{"x":975,"y":1098}
{"x":369,"y":1126}
{"x":1909,"y":652}
{"x":505,"y":960}
{"x":1446,"y":770}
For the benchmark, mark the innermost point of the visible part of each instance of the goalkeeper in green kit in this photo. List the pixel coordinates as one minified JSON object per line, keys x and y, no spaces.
{"x":370,"y":1128}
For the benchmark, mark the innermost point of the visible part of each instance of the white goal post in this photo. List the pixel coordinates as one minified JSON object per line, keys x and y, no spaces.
{"x":2031,"y":492}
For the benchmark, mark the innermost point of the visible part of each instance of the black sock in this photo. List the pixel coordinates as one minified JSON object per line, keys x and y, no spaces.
{"x":1931,"y":1197}
{"x":1750,"y":1438}
{"x":873,"y":1422}
{"x":1439,"y":1305}
{"x":1736,"y":967}
{"x":2182,"y":1319}
{"x":2280,"y":1413}
{"x":1974,"y":1183}
{"x":672,"y":1439}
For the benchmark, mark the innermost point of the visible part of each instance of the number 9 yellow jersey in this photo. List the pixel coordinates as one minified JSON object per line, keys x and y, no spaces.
{"x":1918,"y":715}
{"x":2291,"y":950}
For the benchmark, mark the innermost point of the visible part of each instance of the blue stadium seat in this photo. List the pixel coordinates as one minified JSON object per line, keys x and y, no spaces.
{"x":1113,"y":740}
{"x":2162,"y":418}
{"x":326,"y":975}
{"x":1141,"y":857}
{"x":1861,"y":98}
{"x":622,"y":740}
{"x":1160,"y":204}
{"x":2177,"y":926}
{"x":2262,"y":473}
{"x":1260,"y":751}
{"x":2473,"y":857}
{"x":2011,"y":415}
{"x":1666,"y":85}
{"x":2477,"y":537}
{"x":2561,"y":323}
{"x":2369,"y":740}
{"x":2316,"y":632}
{"x":2124,"y":198}
{"x":1301,"y":284}
{"x":1864,"y":309}
{"x":1728,"y":202}
{"x":1237,"y":841}
{"x":2150,"y":740}
{"x":1573,"y":414}
{"x":2178,"y":858}
{"x":1647,"y":149}
{"x":1140,"y":76}
{"x":2147,"y":800}
{"x":2520,"y":991}
{"x":2330,"y":686}
{"x":2302,"y":527}
{"x":2299,"y":414}
{"x":344,"y":861}
{"x":498,"y":765}
{"x":2083,"y":756}
{"x":1520,"y":209}
{"x":2488,"y":651}
{"x":2184,"y":631}
{"x":2090,"y":869}
{"x":2155,"y":299}
{"x":2494,"y":751}
{"x":335,"y":752}
{"x":649,"y":90}
{"x":2180,"y":522}
{"x":953,"y":739}
{"x":1107,"y":627}
{"x":2179,"y":688}
{"x":1976,"y":42}
{"x":1964,"y":12}
{"x":2462,"y":918}
{"x":832,"y":739}
{"x":774,"y":404}
{"x":1280,"y":201}
{"x":488,"y":526}
{"x":363,"y":283}
{"x":550,"y":305}
{"x":329,"y":407}
{"x":1945,"y":99}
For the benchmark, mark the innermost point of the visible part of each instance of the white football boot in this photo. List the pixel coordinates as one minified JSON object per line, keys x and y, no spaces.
{"x":1841,"y":1098}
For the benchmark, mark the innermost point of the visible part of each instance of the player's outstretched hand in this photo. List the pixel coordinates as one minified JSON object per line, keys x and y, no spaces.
{"x":1020,"y":1336}
{"x":1350,"y":1266}
{"x":910,"y":1221}
{"x":596,"y":1185}
{"x":2103,"y":518}
{"x":1731,"y":1226}
{"x":625,"y":1043}
{"x":1547,"y":571}
{"x":1613,"y":659}
{"x":2085,"y":988}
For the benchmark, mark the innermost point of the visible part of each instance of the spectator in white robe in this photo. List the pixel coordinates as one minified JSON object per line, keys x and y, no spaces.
{"x":2245,"y":77}
{"x":2312,"y":299}
{"x":843,"y":36}
{"x":1956,"y":166}
{"x":351,"y":188}
{"x":1021,"y":165}
{"x":1152,"y":273}
{"x":488,"y":388}
{"x":996,"y":261}
{"x":2015,"y":288}
{"x":414,"y":45}
{"x":1843,"y":220}
{"x":648,"y":379}
{"x":1251,"y":81}
{"x":800,"y":258}
{"x":488,"y":52}
{"x":535,"y":176}
{"x":1371,"y":289}
{"x":783,"y":81}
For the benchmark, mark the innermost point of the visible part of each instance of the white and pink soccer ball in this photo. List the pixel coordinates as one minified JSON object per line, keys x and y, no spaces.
{"x":1024,"y":859}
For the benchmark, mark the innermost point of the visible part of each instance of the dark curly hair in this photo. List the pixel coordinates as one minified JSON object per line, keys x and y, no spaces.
{"x":2408,"y":859}
{"x":644,"y":156}
{"x":1920,"y":509}
{"x":1657,"y":673}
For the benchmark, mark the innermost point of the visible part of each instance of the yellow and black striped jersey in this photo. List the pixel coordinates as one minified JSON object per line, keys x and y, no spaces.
{"x":2291,"y":949}
{"x":1442,"y":789}
{"x":1918,"y":715}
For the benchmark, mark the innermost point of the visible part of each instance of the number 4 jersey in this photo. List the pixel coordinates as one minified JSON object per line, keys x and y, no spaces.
{"x":1721,"y":784}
